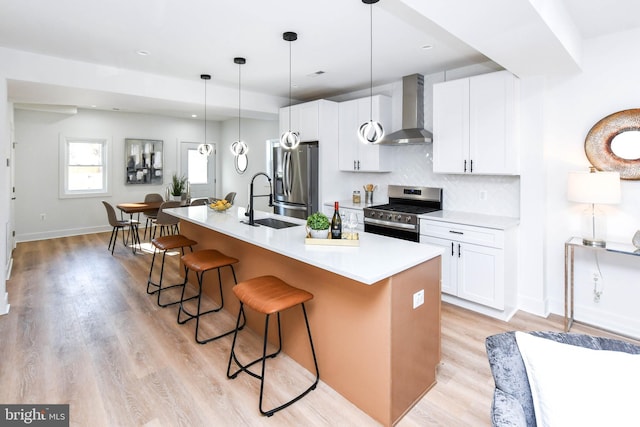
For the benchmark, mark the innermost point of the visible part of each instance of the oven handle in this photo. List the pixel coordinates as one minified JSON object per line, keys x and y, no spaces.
{"x":390,"y":224}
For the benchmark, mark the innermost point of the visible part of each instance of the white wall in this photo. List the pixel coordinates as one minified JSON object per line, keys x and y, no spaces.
{"x":255,"y":134}
{"x":37,"y":135}
{"x":5,"y":182}
{"x":608,"y":83}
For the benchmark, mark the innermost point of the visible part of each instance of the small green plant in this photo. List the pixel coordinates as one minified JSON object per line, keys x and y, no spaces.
{"x":178,"y":185}
{"x":318,"y":221}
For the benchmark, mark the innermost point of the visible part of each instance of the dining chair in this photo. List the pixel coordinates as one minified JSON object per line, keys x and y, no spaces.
{"x":198,"y":202}
{"x":230,"y":197}
{"x":166,"y":221}
{"x":151,"y":214}
{"x":121,"y":224}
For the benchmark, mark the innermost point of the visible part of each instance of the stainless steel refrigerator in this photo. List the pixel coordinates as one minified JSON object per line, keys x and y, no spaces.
{"x":295,"y":179}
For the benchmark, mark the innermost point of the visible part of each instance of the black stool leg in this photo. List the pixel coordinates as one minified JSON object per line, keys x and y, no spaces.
{"x":158,"y":285}
{"x":199,"y":313}
{"x":263,"y":359}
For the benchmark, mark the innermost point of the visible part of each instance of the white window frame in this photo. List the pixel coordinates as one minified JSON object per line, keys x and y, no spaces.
{"x":63,"y":145}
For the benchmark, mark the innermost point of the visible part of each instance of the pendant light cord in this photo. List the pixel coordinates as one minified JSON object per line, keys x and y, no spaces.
{"x":371,"y":61}
{"x":205,"y":111}
{"x":290,"y":86}
{"x":239,"y":98}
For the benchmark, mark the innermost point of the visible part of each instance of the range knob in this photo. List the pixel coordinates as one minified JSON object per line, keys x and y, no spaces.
{"x":408,"y":219}
{"x":380,"y":215}
{"x":389,"y":217}
{"x":399,"y":218}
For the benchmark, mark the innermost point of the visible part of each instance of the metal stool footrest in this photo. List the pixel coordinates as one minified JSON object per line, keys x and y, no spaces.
{"x":195,"y":261}
{"x":165,"y":244}
{"x":259,"y":295}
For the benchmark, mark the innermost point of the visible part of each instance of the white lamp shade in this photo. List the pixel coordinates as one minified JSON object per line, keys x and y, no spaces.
{"x":594,"y":187}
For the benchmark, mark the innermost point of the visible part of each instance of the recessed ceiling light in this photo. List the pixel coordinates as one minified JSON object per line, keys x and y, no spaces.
{"x":427,"y":47}
{"x":194,"y":115}
{"x":142,"y":52}
{"x":93,"y":106}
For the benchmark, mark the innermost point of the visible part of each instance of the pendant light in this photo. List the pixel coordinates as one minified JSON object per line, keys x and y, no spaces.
{"x":205,"y":149}
{"x":370,"y":132}
{"x":290,"y":140}
{"x":239,"y":147}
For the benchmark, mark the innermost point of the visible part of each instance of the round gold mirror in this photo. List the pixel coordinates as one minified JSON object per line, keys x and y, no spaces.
{"x":613,"y":144}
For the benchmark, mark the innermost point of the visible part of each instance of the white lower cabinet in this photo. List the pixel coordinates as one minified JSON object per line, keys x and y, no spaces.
{"x":478,"y":265}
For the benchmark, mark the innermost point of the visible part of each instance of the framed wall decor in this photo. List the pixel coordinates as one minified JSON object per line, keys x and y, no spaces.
{"x":143,"y":161}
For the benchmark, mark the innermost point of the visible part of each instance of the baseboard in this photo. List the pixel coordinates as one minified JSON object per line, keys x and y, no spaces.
{"x":607,"y":320}
{"x":534,"y":306}
{"x":5,"y":306}
{"x":30,"y":237}
{"x":504,"y":315}
{"x":9,"y":269}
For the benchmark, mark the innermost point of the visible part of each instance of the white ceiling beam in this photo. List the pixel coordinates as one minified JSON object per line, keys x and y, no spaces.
{"x":526,"y":37}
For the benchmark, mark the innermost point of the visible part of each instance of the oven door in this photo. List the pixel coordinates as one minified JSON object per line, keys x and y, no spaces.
{"x":398,"y":233}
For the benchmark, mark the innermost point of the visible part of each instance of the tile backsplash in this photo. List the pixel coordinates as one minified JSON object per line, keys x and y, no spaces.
{"x":412,"y":165}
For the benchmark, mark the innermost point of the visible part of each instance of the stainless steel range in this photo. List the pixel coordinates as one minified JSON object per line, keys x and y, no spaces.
{"x":399,"y":217}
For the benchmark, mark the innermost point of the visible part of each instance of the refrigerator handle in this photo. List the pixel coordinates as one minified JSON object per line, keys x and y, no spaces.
{"x":288,"y":173}
{"x":285,"y":184}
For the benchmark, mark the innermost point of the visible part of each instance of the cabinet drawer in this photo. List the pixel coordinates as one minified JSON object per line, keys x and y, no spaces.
{"x":462,"y":233}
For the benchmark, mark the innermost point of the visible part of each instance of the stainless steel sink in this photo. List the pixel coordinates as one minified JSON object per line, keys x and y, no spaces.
{"x":275,"y":223}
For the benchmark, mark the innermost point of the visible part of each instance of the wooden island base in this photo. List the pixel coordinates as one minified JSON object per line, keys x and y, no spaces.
{"x":372,"y":346}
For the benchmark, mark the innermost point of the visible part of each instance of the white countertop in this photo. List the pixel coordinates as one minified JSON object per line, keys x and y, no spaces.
{"x":376,"y":258}
{"x":473,"y":219}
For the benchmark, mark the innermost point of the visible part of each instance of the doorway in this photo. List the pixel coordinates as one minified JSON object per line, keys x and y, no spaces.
{"x":200,"y":170}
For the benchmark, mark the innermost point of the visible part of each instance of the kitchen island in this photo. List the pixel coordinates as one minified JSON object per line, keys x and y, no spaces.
{"x":373,"y":346}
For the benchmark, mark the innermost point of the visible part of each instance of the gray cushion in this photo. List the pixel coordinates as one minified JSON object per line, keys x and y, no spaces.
{"x":513,"y":403}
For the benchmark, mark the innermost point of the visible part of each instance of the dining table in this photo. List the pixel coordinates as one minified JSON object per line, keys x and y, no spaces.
{"x":133,"y":208}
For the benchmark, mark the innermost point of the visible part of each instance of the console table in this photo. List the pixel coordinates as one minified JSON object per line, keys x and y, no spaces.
{"x":569,"y":249}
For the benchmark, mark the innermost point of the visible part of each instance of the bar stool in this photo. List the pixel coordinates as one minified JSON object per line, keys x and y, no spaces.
{"x":200,"y":262}
{"x":268,"y":295}
{"x":164,"y":244}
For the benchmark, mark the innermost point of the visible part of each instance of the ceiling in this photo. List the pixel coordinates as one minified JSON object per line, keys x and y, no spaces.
{"x":184,"y":39}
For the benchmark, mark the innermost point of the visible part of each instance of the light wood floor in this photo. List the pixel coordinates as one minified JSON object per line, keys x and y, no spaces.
{"x":83,"y":331}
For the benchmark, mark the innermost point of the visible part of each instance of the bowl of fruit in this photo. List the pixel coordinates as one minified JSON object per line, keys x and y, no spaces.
{"x":219,"y":205}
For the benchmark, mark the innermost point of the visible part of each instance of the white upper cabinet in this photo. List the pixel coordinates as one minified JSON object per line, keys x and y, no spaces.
{"x":304,"y":119}
{"x":354,"y":155}
{"x":475,"y":125}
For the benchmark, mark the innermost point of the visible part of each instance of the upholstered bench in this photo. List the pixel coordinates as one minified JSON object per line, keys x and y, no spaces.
{"x":513,"y":401}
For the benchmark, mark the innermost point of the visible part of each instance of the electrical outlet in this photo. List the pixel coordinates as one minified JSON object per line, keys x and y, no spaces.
{"x":418,"y":298}
{"x":483,"y":194}
{"x":43,"y":217}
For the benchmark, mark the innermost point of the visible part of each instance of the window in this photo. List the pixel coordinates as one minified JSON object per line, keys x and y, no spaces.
{"x":197,"y":167}
{"x":83,"y":167}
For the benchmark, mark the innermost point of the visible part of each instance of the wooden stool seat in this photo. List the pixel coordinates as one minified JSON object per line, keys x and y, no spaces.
{"x":164,"y":244}
{"x":200,"y":262}
{"x":268,"y":295}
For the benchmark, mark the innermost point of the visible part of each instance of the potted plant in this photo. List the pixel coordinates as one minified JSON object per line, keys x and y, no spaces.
{"x":318,"y":225}
{"x":178,"y":186}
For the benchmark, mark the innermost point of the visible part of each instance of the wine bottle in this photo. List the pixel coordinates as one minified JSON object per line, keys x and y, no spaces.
{"x":336,"y":223}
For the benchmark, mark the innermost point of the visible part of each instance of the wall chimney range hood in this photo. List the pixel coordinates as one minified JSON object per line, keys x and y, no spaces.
{"x":413,"y":131}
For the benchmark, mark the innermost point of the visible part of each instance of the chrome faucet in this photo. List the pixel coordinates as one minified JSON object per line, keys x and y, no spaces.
{"x":251,"y":196}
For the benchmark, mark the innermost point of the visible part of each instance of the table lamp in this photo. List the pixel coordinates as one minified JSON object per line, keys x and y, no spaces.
{"x":594,"y":188}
